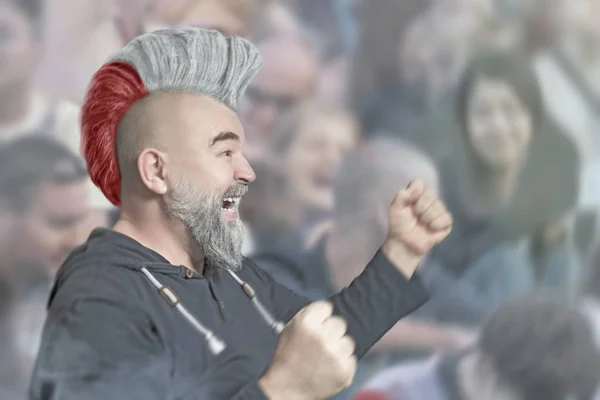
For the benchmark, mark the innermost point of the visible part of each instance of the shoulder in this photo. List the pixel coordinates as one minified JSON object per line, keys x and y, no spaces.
{"x":90,"y":277}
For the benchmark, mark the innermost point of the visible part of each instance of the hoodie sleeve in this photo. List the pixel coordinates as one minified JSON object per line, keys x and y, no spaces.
{"x":101,"y":349}
{"x":371,"y":305}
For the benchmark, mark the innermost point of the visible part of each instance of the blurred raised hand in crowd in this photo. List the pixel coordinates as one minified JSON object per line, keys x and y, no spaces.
{"x":494,"y":104}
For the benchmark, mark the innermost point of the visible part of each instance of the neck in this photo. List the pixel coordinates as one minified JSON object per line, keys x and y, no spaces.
{"x":15,"y":103}
{"x":171,"y":240}
{"x":478,"y":381}
{"x":492,"y":190}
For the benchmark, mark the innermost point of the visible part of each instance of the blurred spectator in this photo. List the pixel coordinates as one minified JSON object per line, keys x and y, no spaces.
{"x":365,"y":187}
{"x":570,"y":77}
{"x":374,"y":65}
{"x":43,"y":202}
{"x":306,"y":152}
{"x":331,"y":25}
{"x":79,"y":36}
{"x":42,"y":206}
{"x":23,"y":109}
{"x":510,"y":180}
{"x":287,"y":78}
{"x":275,"y":19}
{"x":367,"y":182}
{"x":530,"y":349}
{"x":231,"y":17}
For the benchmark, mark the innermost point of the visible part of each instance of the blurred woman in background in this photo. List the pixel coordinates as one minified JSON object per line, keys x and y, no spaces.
{"x":511,"y":183}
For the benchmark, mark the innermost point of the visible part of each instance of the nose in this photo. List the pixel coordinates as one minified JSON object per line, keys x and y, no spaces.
{"x":244,"y":172}
{"x":500,"y":121}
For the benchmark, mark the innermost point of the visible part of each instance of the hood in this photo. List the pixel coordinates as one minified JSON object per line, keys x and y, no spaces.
{"x":110,"y":249}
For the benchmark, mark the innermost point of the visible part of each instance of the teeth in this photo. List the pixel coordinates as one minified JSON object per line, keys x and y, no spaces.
{"x":234,"y":200}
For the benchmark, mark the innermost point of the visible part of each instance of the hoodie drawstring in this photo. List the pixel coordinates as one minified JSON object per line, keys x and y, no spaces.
{"x":215,"y":344}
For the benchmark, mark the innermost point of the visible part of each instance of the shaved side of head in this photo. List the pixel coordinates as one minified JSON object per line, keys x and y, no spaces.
{"x":137,"y":131}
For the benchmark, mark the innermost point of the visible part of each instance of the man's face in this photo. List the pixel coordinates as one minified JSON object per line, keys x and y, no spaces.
{"x":313,"y":160}
{"x":209,"y":177}
{"x":288,"y":77}
{"x":50,"y":229}
{"x":19,"y":46}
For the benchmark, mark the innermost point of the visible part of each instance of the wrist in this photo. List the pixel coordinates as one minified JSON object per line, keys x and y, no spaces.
{"x":401,"y":257}
{"x":275,"y":388}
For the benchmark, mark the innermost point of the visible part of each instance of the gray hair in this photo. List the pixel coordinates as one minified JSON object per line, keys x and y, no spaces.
{"x":193,"y":60}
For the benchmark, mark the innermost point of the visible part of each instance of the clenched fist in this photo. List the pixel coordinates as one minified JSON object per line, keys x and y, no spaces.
{"x":314,"y":358}
{"x":418,"y":220}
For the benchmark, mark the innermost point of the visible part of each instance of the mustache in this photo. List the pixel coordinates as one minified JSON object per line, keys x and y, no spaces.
{"x":236,"y":190}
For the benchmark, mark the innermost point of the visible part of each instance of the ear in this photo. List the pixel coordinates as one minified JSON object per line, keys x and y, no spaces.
{"x":152,"y":169}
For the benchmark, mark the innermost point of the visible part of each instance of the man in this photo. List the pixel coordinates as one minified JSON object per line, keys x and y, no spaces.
{"x":164,"y":306}
{"x":24,"y":109}
{"x":43,"y":202}
{"x":531,"y":348}
{"x":289,"y":77}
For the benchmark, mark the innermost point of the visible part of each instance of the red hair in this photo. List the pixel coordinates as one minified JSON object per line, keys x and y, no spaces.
{"x":113,"y":90}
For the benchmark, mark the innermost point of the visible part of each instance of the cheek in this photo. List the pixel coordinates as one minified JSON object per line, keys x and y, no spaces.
{"x":475,"y":131}
{"x":523,"y":133}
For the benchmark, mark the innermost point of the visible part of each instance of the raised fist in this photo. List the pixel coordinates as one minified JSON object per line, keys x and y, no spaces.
{"x":314,"y":358}
{"x":418,"y":220}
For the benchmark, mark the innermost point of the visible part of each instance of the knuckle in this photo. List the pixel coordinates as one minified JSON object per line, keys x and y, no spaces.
{"x":350,"y":343}
{"x":339,"y":321}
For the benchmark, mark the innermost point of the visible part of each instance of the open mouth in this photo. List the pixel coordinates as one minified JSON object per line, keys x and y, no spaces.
{"x":323,"y":182}
{"x":230,"y":204}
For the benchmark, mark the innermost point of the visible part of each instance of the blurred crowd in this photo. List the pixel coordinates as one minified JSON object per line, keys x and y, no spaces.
{"x":495,"y":104}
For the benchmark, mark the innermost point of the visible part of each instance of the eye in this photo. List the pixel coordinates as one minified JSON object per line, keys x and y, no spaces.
{"x":227,"y":153}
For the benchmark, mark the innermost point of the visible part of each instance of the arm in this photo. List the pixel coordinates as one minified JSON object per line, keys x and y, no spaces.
{"x":371,"y":305}
{"x":410,"y":334}
{"x":386,"y":290}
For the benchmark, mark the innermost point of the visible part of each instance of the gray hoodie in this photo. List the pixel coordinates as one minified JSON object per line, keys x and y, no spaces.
{"x":110,"y":334}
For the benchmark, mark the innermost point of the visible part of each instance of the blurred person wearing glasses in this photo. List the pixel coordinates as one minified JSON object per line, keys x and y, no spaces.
{"x":288,"y":78}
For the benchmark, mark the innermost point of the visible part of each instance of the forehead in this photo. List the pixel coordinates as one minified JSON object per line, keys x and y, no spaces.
{"x":328,"y":127}
{"x":62,"y":198}
{"x":492,"y":88}
{"x":12,"y":15}
{"x":189,"y":118}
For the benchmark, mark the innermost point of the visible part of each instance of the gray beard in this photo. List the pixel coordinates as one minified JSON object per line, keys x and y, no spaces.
{"x":220,"y":241}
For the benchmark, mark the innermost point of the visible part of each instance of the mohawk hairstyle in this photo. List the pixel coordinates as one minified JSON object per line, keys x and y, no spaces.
{"x":188,"y":60}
